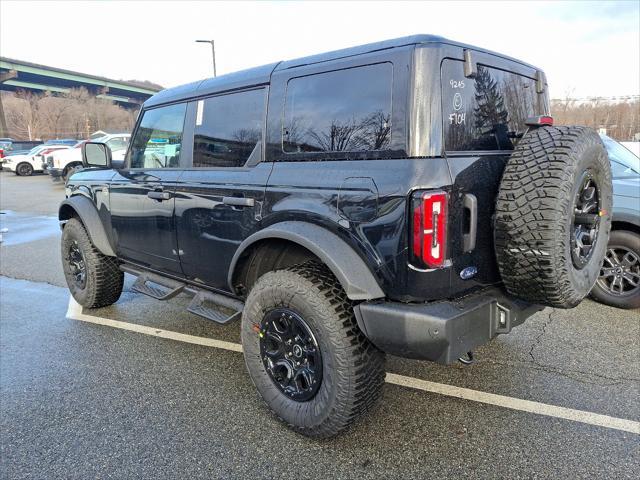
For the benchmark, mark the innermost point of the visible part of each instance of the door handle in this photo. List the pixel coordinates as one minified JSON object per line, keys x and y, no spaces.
{"x":469,"y":238}
{"x":159,"y":195}
{"x":239,"y":201}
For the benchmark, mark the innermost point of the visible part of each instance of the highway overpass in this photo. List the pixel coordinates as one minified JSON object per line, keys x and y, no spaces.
{"x":21,"y":75}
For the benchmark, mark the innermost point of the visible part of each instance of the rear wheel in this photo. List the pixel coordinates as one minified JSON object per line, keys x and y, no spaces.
{"x":94,"y":279}
{"x":619,"y":282}
{"x":305,"y":353}
{"x":24,"y":170}
{"x":553,"y":215}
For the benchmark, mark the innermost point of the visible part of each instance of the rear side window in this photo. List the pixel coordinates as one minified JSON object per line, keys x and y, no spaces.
{"x":340,"y":111}
{"x":158,"y":140}
{"x":486,"y":112}
{"x":228,"y":129}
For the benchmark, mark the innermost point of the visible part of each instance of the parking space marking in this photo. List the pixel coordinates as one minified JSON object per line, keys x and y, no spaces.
{"x":74,"y":312}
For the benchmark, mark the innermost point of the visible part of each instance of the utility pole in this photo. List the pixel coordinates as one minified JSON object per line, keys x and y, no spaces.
{"x":213,"y":53}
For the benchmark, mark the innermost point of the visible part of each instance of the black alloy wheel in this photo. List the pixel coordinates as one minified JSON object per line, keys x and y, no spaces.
{"x":620,"y":273}
{"x":290,"y":354}
{"x":586,"y":221}
{"x":77,"y":265}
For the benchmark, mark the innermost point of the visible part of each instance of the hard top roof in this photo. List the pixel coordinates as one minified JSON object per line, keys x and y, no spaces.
{"x":261,"y":75}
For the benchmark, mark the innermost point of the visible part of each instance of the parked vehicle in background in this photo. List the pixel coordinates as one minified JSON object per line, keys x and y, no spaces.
{"x":407,"y":197}
{"x":63,"y":164}
{"x":619,"y":281}
{"x":5,"y":144}
{"x":52,"y":159}
{"x":63,"y":141}
{"x":9,"y":146}
{"x":26,"y":164}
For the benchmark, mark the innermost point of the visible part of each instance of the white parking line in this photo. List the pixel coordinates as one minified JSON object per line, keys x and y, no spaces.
{"x":74,"y":312}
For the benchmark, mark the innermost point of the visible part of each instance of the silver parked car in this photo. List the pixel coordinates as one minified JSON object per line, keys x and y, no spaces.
{"x":619,"y":281}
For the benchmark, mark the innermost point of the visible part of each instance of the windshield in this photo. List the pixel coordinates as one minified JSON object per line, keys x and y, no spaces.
{"x":623,"y":161}
{"x":35,"y":150}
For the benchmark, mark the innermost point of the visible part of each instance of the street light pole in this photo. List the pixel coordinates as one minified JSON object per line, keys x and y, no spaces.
{"x":213,"y":53}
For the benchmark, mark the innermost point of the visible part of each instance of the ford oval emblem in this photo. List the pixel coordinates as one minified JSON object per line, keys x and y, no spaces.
{"x":468,"y":273}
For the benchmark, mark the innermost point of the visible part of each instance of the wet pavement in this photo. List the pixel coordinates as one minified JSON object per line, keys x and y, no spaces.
{"x":79,"y":400}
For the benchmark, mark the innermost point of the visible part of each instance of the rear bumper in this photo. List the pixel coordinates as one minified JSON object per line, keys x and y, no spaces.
{"x":441,"y":331}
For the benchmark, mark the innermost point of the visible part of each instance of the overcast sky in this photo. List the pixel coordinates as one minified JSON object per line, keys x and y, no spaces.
{"x":591,"y":47}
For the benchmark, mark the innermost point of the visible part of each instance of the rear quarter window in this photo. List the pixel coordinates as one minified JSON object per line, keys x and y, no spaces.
{"x":488,"y":112}
{"x":339,"y":111}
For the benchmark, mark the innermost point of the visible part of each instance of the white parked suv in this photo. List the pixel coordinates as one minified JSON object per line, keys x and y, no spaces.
{"x":63,"y":164}
{"x":27,"y":164}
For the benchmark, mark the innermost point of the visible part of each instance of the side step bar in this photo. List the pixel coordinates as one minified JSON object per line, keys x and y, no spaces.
{"x":156,"y":286}
{"x":210,"y":305}
{"x":199,"y":306}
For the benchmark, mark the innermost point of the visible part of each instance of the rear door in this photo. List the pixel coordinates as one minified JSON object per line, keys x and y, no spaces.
{"x":142,"y":194}
{"x":219,"y":198}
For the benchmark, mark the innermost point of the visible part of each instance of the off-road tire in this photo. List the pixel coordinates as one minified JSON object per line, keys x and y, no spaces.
{"x":631,"y":242}
{"x":104,"y":280}
{"x":24,"y":169}
{"x":353,"y":368}
{"x":535,"y":214}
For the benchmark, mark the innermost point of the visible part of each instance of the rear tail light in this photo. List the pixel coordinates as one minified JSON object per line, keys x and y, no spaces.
{"x":539,"y":121}
{"x":1,"y":153}
{"x":429,"y":229}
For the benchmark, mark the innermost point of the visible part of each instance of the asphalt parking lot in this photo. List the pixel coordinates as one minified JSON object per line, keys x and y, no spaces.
{"x":143,"y":389}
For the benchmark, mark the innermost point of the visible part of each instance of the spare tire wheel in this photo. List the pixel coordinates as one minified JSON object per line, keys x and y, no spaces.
{"x":553,"y":215}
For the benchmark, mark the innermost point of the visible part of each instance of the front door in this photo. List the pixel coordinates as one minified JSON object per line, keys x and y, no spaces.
{"x":219,"y":198}
{"x":142,"y":194}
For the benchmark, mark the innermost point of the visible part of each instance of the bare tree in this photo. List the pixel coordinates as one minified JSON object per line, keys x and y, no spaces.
{"x":74,"y":114}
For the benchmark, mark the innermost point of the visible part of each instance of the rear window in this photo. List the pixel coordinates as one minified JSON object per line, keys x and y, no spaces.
{"x":487,"y":112}
{"x":340,"y":111}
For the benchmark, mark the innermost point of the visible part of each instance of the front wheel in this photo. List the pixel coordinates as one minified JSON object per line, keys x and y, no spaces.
{"x":304,"y":351}
{"x":24,"y":170}
{"x":619,"y":282}
{"x":94,"y":279}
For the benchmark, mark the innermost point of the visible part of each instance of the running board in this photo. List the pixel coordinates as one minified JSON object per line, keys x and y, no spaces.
{"x":212,"y":306}
{"x":215,"y":307}
{"x":156,"y":286}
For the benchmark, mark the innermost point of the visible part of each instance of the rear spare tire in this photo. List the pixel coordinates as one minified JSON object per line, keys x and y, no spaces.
{"x":553,"y":215}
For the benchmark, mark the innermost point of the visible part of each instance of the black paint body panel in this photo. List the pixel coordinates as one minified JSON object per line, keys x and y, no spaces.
{"x":361,"y":198}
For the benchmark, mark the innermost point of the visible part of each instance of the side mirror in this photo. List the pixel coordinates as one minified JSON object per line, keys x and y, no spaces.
{"x":96,"y":154}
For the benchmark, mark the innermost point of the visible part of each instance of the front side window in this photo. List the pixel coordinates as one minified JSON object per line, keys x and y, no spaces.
{"x":340,"y":111}
{"x":228,"y":129}
{"x":158,"y":140}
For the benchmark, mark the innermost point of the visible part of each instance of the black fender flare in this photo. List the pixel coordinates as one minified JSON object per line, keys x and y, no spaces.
{"x":354,"y":275}
{"x":89,"y":216}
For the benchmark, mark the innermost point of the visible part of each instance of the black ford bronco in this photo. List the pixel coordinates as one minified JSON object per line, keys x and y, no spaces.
{"x":409,"y":197}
